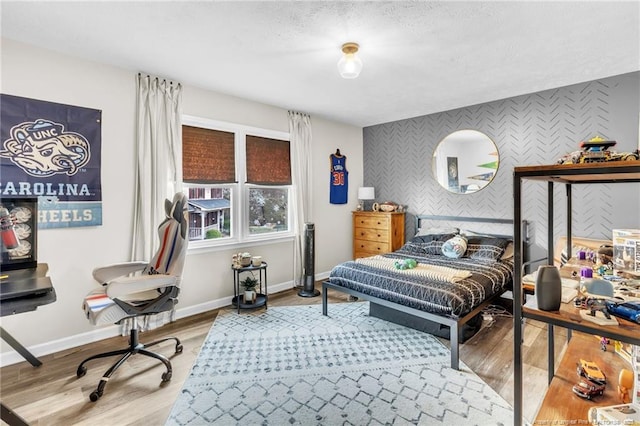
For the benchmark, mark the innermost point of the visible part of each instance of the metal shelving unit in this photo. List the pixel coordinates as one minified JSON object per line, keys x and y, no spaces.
{"x":568,"y":175}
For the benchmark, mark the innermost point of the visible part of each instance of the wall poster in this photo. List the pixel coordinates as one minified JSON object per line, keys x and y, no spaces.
{"x":52,"y":151}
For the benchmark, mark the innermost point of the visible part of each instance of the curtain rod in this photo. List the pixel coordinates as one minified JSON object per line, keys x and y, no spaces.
{"x":158,"y":78}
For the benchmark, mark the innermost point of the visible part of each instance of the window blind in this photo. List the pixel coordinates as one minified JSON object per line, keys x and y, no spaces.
{"x":268,"y":161}
{"x":208,"y":156}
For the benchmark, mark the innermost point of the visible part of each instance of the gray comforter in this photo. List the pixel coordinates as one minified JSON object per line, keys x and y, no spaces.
{"x":454,"y":299}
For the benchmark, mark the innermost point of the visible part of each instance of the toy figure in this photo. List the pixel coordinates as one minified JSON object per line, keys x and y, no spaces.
{"x":605,"y":255}
{"x":625,"y":385}
{"x":603,"y":343}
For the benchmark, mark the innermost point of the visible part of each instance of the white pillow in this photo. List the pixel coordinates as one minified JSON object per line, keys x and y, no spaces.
{"x":455,"y":247}
{"x":508,"y":252}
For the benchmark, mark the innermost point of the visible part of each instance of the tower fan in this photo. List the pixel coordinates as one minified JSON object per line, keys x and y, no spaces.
{"x":308,"y":286}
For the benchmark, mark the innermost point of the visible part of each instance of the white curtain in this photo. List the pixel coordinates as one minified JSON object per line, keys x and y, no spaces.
{"x":300,"y":135}
{"x":159,"y":165}
{"x":159,"y":159}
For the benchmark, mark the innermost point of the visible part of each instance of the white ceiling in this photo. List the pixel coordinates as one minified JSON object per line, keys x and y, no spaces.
{"x":419,"y":57}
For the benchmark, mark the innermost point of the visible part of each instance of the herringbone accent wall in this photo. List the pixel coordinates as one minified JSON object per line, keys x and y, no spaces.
{"x":528,"y":130}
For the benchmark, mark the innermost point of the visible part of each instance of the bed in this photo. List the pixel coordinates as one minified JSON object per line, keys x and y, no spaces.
{"x":447,"y":291}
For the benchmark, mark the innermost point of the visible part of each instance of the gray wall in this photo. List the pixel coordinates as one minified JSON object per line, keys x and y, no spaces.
{"x":531,"y":129}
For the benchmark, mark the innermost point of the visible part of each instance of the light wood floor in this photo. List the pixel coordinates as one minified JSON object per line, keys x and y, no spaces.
{"x":53,"y":395}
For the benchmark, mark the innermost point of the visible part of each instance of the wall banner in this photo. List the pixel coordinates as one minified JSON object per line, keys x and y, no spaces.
{"x":52,"y":151}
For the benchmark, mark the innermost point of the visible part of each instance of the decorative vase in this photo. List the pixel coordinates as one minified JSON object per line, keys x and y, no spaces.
{"x":548,"y":288}
{"x":249,"y":296}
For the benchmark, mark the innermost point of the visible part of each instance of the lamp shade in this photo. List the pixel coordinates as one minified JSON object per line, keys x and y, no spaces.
{"x":366,"y":193}
{"x":350,"y":64}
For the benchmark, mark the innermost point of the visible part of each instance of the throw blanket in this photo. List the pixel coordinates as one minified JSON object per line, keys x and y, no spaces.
{"x":432,"y":272}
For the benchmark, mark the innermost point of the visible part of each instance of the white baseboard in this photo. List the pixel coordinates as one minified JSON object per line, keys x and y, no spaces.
{"x":13,"y":357}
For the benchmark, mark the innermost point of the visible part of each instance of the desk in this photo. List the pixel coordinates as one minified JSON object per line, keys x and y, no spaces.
{"x":26,"y":303}
{"x":18,"y":306}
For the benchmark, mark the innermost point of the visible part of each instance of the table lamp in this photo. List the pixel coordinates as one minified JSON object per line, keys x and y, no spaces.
{"x":365,"y":193}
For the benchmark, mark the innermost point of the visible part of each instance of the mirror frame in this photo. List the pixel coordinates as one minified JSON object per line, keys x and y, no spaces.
{"x":461,"y":174}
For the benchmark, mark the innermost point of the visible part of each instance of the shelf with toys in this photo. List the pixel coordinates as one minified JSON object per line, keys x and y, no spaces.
{"x":562,"y":403}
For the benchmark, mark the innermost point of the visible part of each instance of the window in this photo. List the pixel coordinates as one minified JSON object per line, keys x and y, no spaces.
{"x":238,"y":181}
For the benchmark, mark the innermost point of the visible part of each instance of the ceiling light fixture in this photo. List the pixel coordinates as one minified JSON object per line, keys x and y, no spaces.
{"x":350,"y":64}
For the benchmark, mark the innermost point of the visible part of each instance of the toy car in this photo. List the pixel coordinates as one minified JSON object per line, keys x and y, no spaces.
{"x":588,"y":389}
{"x":597,"y":150}
{"x":591,"y":371}
{"x":626,"y":310}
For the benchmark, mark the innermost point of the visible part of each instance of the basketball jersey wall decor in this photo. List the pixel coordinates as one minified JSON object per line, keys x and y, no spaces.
{"x":339,"y":179}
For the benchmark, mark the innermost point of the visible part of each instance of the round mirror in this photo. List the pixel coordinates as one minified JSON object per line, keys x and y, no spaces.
{"x":465,"y":161}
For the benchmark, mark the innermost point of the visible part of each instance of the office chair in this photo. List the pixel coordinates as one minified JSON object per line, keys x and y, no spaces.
{"x":132,"y":290}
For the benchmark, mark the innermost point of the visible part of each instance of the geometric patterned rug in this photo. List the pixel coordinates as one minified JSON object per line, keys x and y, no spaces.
{"x":293,"y":366}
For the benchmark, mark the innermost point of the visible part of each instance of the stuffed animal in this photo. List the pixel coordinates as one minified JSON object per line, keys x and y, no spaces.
{"x":455,"y":247}
{"x":405,"y":264}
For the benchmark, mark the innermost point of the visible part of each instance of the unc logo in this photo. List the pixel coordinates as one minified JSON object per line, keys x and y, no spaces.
{"x":42,"y":148}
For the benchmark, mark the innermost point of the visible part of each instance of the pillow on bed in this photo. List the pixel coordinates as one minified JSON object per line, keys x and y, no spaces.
{"x":431,"y":230}
{"x":427,"y":244}
{"x":485,"y":248}
{"x":455,"y":247}
{"x":469,"y":233}
{"x":508,"y":252}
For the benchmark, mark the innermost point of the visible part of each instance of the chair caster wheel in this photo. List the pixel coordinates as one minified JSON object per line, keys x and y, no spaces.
{"x":166,"y":376}
{"x":94,"y":396}
{"x":82,"y":370}
{"x":179,"y":349}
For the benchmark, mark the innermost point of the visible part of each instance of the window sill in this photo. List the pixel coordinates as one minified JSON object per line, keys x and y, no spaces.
{"x":198,"y":248}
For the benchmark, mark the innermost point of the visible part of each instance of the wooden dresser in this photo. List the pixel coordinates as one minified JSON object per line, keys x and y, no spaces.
{"x":377,"y":233}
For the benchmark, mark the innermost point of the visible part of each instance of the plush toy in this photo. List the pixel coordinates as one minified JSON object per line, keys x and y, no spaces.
{"x":625,"y":385}
{"x":405,"y":264}
{"x":455,"y":247}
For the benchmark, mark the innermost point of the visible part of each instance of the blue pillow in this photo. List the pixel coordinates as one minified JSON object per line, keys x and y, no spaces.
{"x":455,"y":247}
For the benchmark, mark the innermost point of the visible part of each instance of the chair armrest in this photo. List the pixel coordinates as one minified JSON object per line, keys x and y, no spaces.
{"x":130,"y":285}
{"x":104,"y":274}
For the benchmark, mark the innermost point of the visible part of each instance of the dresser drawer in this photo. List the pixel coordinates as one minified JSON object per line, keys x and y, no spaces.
{"x":370,"y":234}
{"x":372,"y":247}
{"x":362,"y":254}
{"x":376,"y":222}
{"x":377,"y":233}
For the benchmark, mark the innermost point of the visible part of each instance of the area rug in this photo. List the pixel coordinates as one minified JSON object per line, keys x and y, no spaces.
{"x":294,"y":366}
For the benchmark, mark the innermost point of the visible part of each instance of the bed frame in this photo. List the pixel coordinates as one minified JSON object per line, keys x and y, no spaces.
{"x":455,"y":325}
